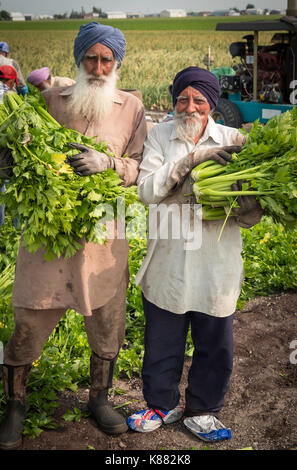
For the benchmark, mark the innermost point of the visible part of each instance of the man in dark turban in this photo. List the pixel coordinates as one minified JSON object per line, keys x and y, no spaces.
{"x":200,"y":79}
{"x":93,"y":282}
{"x":188,"y":279}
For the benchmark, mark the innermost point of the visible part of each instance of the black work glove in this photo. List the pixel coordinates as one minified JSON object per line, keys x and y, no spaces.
{"x":249,"y":212}
{"x":6,"y":163}
{"x":89,"y":161}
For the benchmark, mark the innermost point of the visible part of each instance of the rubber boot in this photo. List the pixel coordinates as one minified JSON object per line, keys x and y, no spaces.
{"x":108,"y":420}
{"x":11,"y":429}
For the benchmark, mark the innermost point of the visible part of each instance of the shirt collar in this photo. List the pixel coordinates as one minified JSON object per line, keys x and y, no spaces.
{"x":67,"y":91}
{"x":211,"y":132}
{"x":3,"y":86}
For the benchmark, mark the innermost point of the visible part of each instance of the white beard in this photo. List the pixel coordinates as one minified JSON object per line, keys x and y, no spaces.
{"x":93,"y":96}
{"x":187,"y":129}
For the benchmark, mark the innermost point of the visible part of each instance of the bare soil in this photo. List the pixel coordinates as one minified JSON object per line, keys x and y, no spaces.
{"x":260,"y":406}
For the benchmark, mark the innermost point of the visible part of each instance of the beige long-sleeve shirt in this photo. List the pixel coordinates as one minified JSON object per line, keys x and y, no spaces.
{"x":186,"y":269}
{"x":90,"y":278}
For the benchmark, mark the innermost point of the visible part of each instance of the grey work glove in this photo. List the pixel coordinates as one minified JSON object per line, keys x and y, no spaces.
{"x":221,"y":155}
{"x":249,"y":212}
{"x":6,"y":163}
{"x":89,"y":161}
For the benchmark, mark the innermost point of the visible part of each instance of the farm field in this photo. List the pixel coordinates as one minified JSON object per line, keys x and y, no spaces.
{"x":135,"y":24}
{"x":261,"y":404}
{"x":152,"y":59}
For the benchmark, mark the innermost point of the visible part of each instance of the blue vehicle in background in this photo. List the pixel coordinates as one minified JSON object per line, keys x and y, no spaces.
{"x":264,"y":82}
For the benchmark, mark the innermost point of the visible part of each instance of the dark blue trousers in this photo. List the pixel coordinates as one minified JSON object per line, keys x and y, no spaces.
{"x":212,"y":362}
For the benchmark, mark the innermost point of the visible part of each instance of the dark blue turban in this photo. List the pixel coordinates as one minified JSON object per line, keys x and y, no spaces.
{"x":200,"y":79}
{"x":94,"y":32}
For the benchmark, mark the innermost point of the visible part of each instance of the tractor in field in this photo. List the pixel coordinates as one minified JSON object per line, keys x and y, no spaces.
{"x":264,"y":81}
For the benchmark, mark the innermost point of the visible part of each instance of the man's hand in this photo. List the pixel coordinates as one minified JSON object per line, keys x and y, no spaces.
{"x":249,"y":212}
{"x":6,"y":163}
{"x":89,"y":161}
{"x":221,"y":155}
{"x":183,"y":167}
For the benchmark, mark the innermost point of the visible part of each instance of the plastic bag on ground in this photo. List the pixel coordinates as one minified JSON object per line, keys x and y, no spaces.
{"x":151,"y":419}
{"x":208,"y":428}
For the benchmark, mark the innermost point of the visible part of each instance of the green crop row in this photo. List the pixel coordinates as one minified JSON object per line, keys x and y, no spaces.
{"x":131,"y":24}
{"x":270,"y":266}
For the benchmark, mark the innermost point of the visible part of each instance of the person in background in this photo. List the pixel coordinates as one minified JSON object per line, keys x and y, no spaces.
{"x":21,"y":88}
{"x":43,"y":80}
{"x":94,"y":281}
{"x":8,"y":81}
{"x":186,"y":285}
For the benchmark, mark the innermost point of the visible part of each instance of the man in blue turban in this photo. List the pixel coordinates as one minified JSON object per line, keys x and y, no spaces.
{"x":93,"y":33}
{"x":188,"y":278}
{"x":95,"y":280}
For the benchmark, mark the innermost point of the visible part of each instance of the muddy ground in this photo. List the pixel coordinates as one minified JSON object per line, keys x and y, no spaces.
{"x":260,"y":406}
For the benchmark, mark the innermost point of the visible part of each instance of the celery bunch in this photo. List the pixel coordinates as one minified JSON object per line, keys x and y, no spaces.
{"x":57,"y":207}
{"x":267,"y":164}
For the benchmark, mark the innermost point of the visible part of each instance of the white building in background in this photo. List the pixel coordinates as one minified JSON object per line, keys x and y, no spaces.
{"x":234,"y":13}
{"x":116,"y":14}
{"x":173,"y":13}
{"x":17,"y":16}
{"x":44,"y":17}
{"x":221,"y":13}
{"x":134,"y":14}
{"x":91,"y":15}
{"x":254,"y":11}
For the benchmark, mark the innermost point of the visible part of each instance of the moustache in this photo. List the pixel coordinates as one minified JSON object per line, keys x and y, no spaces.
{"x":184,"y":116}
{"x":96,"y":79}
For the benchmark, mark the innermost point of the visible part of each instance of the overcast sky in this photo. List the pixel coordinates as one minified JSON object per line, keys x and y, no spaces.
{"x":149,"y":6}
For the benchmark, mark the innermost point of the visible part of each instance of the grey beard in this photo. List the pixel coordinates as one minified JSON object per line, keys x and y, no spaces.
{"x":186,"y":130}
{"x":93,"y":97}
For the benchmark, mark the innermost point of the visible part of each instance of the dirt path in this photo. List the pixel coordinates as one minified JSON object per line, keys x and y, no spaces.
{"x":260,"y":407}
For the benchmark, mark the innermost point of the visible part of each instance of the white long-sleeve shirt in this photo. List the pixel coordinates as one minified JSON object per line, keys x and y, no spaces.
{"x":181,"y":273}
{"x":3,"y":90}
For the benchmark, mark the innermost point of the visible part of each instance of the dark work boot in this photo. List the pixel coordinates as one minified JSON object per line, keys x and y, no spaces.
{"x":108,"y":420}
{"x":11,"y":428}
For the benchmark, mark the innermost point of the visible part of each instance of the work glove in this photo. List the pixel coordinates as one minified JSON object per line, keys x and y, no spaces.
{"x":221,"y":155}
{"x":23,"y":90}
{"x":89,"y":161}
{"x":249,"y":212}
{"x":6,"y":163}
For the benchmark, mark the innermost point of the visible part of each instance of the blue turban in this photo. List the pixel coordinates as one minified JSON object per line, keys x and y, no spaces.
{"x":4,"y":47}
{"x":93,"y":33}
{"x":201,"y":79}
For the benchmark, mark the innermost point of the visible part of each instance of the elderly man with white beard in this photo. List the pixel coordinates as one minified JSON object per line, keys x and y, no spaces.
{"x":187,"y":284}
{"x":94,"y":281}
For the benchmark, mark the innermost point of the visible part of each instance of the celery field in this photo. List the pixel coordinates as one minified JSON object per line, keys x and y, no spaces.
{"x":153,"y":57}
